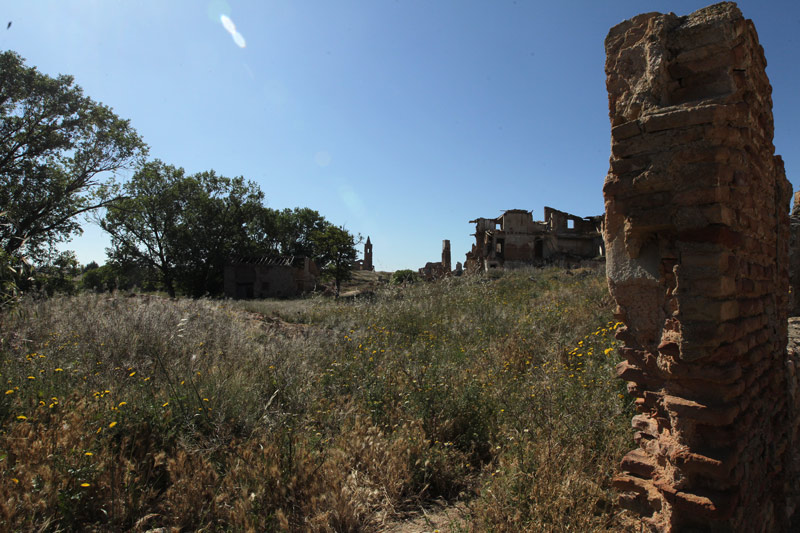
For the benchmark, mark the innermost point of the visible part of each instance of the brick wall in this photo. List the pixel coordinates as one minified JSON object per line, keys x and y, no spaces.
{"x":696,"y":236}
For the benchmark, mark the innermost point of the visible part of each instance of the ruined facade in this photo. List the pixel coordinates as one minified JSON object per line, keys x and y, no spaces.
{"x":366,"y":263}
{"x":433,"y":271}
{"x":514,"y":239}
{"x":269,"y":277}
{"x":696,"y":234}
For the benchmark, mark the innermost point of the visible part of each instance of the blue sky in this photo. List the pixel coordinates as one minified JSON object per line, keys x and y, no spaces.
{"x":401,"y":119}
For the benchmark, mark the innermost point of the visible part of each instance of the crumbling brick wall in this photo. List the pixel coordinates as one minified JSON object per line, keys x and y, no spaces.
{"x":696,"y":235}
{"x":794,"y":257}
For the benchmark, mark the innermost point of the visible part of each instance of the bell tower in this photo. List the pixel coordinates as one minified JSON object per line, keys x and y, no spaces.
{"x":368,"y":255}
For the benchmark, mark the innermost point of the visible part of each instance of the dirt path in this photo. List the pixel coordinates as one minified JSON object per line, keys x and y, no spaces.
{"x":439,"y":519}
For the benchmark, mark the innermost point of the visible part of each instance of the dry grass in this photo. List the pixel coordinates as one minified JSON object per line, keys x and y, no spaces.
{"x":140,"y":413}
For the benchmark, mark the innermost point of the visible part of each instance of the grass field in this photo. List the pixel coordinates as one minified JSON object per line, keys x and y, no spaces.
{"x":135,"y":413}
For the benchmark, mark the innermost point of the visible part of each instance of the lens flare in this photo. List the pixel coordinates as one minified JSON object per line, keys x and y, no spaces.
{"x":228,"y":24}
{"x":230,"y":27}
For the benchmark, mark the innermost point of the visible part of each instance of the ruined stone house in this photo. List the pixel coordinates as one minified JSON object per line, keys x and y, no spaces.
{"x":269,"y":277}
{"x":514,"y":239}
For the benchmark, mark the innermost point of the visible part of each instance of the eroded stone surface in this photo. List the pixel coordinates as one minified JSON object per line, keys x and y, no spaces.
{"x":696,"y":234}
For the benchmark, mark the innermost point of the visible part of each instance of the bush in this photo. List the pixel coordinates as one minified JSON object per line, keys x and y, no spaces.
{"x":404,"y":276}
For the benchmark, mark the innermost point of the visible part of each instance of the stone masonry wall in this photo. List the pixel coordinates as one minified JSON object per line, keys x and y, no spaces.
{"x":696,"y":234}
{"x":794,"y":257}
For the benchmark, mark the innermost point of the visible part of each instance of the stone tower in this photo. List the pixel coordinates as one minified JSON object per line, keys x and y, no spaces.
{"x":368,"y":255}
{"x":446,"y":255}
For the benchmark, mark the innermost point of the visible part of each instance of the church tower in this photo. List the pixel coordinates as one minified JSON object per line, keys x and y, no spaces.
{"x":368,"y":255}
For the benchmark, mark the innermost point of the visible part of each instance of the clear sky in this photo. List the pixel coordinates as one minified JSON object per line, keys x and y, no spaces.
{"x":401,"y":119}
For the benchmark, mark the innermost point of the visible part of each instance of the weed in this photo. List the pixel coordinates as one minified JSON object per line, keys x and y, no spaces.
{"x":315,"y":414}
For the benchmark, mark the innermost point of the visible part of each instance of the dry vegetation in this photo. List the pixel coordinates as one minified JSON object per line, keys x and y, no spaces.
{"x":315,"y":415}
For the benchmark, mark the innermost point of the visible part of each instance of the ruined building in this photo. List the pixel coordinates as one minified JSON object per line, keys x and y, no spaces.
{"x":433,"y":271}
{"x":269,"y":277}
{"x":514,"y":239}
{"x":366,"y":263}
{"x":697,"y":233}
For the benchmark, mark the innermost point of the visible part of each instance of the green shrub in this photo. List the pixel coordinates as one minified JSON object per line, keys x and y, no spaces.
{"x":404,"y":276}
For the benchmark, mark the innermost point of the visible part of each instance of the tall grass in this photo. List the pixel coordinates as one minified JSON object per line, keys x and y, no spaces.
{"x":138,"y":413}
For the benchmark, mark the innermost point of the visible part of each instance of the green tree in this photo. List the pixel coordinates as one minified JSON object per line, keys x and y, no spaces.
{"x":59,"y":152}
{"x":295,"y":231}
{"x":98,"y":279}
{"x":58,"y":274}
{"x":337,"y":251}
{"x":185,"y":228}
{"x":221,"y":218}
{"x":144,"y":225}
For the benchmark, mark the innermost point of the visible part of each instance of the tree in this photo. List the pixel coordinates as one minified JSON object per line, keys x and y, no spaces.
{"x":187,"y":227}
{"x":337,"y":252}
{"x":144,"y":224}
{"x":295,"y":231}
{"x":59,"y":274}
{"x":220,"y":218}
{"x":59,"y":151}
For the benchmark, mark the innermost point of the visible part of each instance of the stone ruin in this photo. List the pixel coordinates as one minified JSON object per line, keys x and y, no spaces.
{"x":794,"y":257}
{"x":515,"y":240}
{"x":697,"y":233}
{"x":441,"y":269}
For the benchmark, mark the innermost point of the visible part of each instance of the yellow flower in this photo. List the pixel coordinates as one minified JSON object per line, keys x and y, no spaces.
{"x":10,"y":391}
{"x":85,"y":485}
{"x":165,"y":404}
{"x":31,"y":377}
{"x":132,"y":374}
{"x":112,"y":424}
{"x":122,"y":403}
{"x":22,"y":417}
{"x":59,"y":370}
{"x":88,"y":454}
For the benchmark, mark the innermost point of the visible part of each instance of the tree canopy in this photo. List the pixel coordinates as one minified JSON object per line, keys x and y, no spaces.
{"x":186,"y":227}
{"x":336,"y":248}
{"x":59,"y":152}
{"x":60,"y":155}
